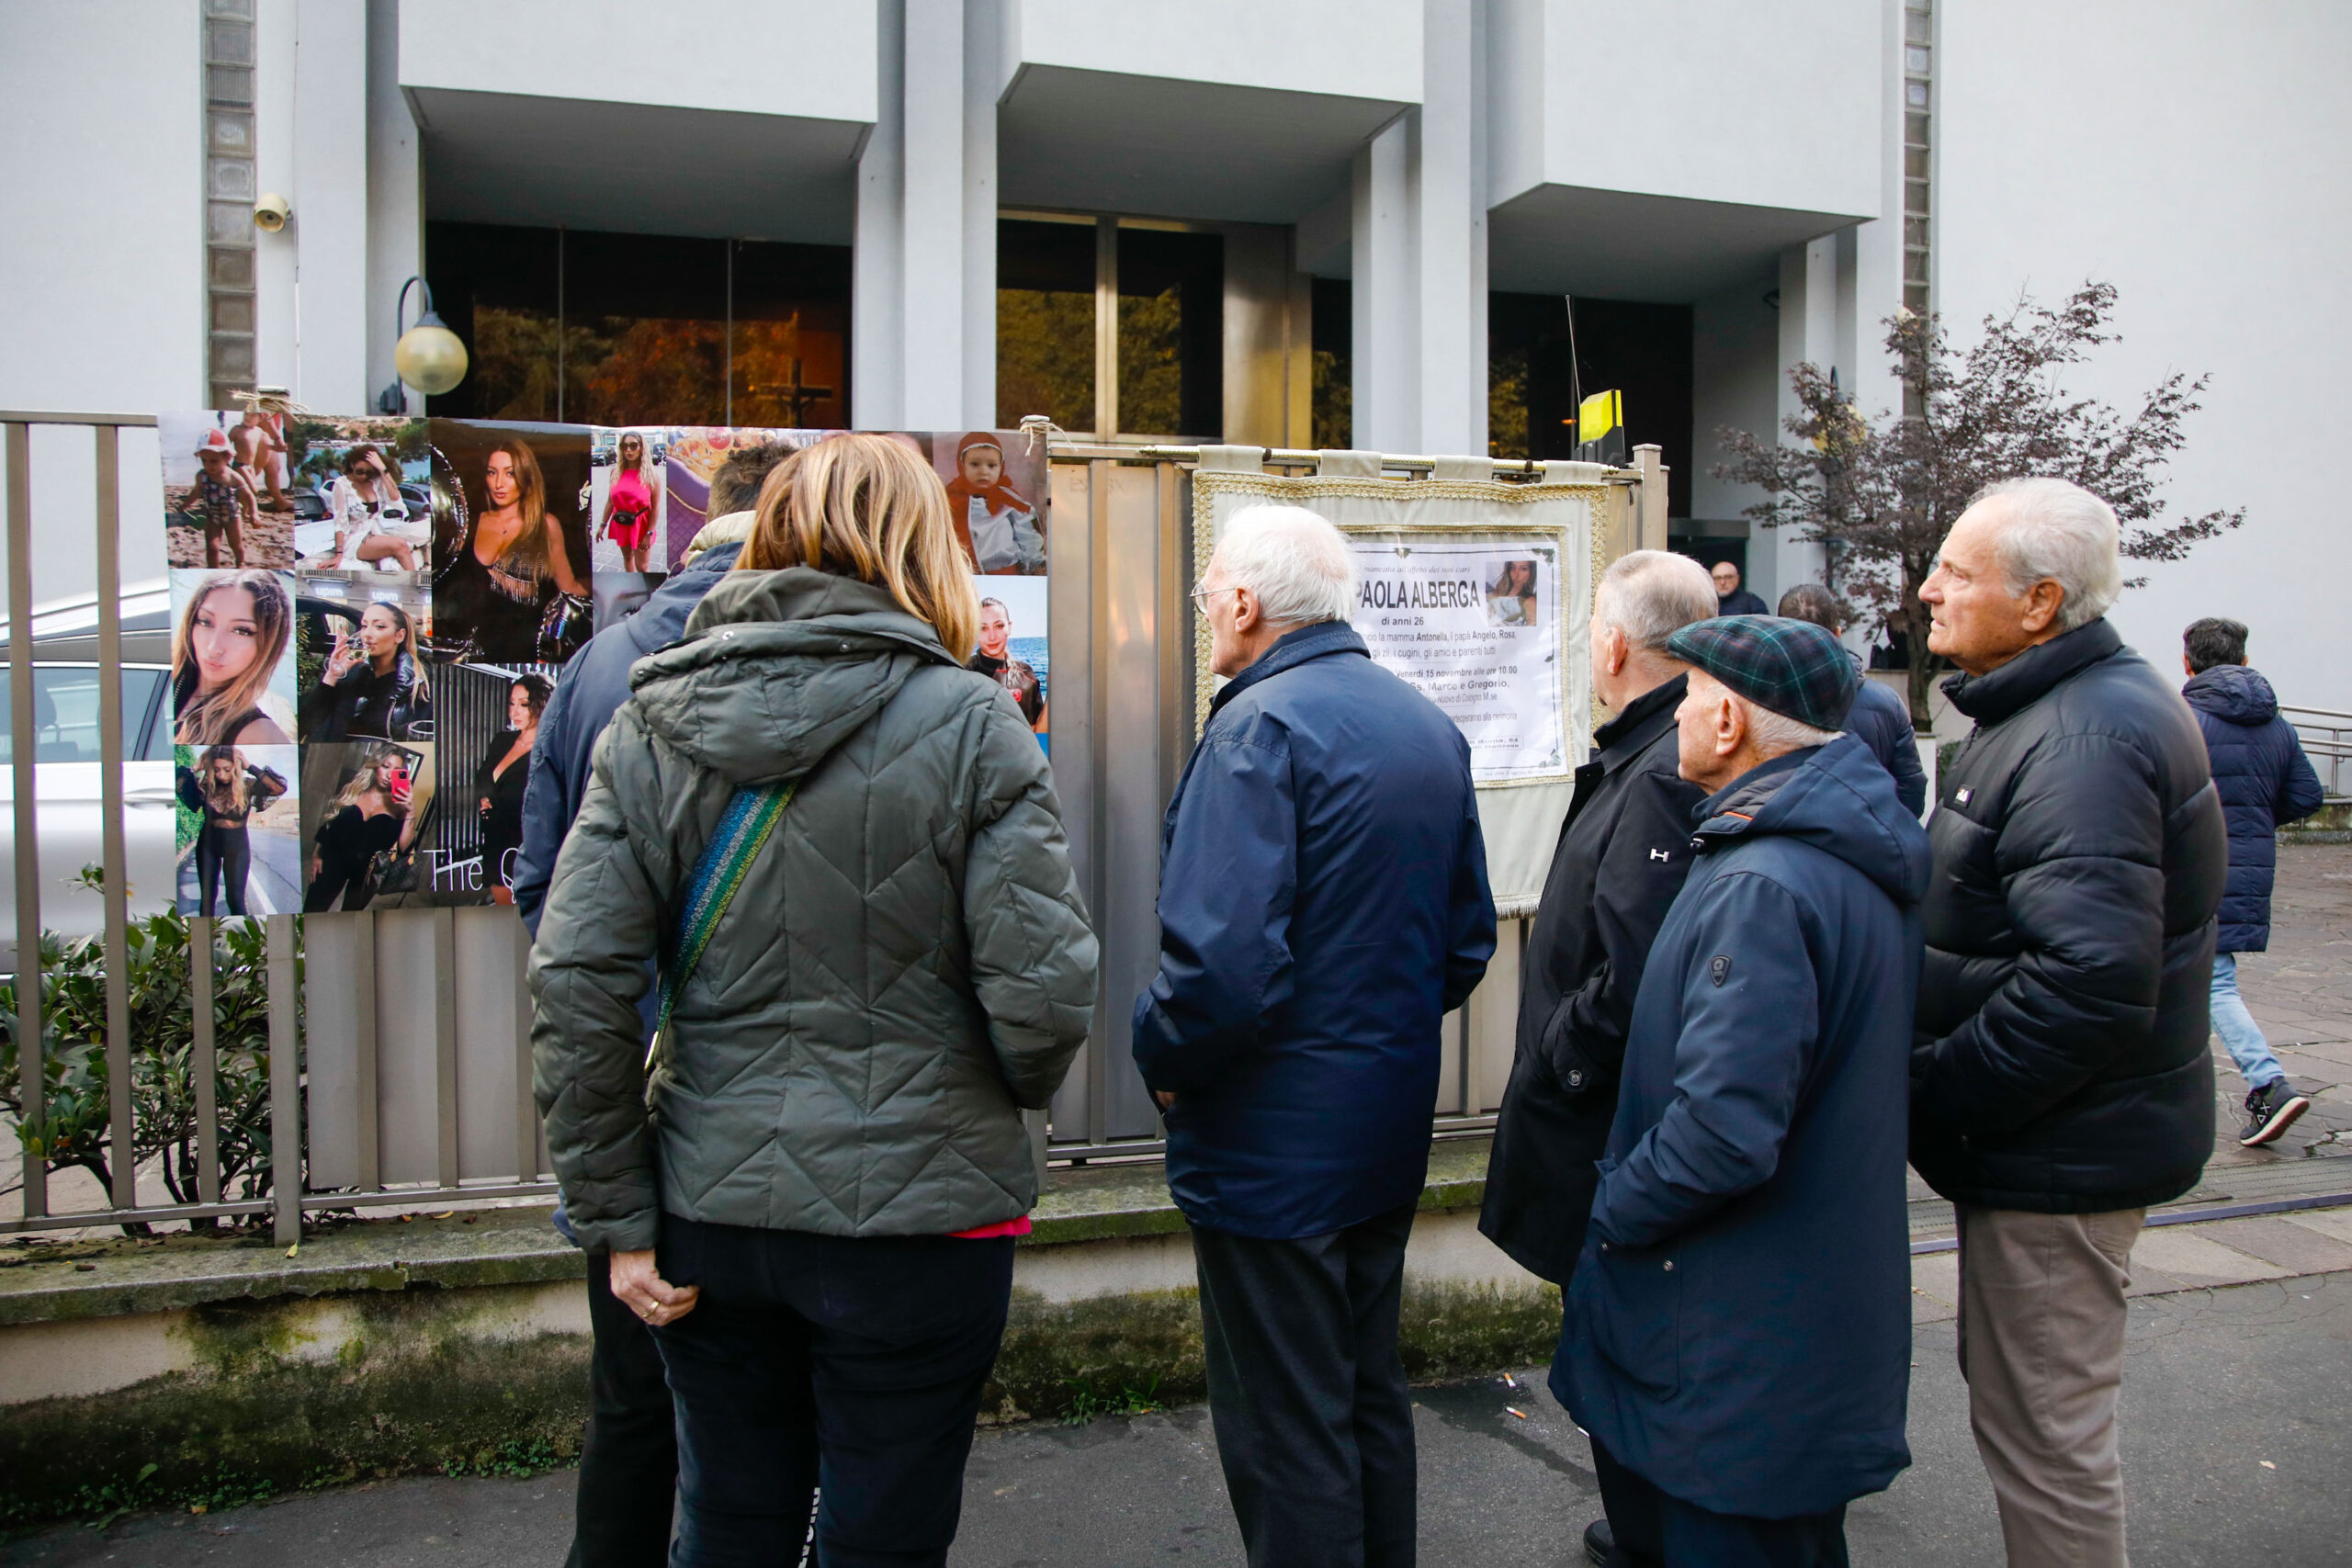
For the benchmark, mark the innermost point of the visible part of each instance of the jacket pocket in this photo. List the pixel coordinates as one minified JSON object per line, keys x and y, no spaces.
{"x":1637,"y":1315}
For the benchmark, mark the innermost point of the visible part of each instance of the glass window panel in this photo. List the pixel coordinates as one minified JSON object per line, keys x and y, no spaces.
{"x":497,"y":287}
{"x":789,"y":353}
{"x":65,"y":715}
{"x":1332,"y":335}
{"x":1045,"y":323}
{"x":1172,"y":331}
{"x":644,"y":330}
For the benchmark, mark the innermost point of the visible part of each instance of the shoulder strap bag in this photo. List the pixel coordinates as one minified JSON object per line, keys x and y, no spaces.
{"x":751,"y":817}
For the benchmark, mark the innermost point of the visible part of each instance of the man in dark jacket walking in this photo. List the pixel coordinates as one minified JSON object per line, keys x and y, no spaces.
{"x":1739,"y":1327}
{"x":628,"y":1460}
{"x":1880,"y":720}
{"x":1323,"y":905}
{"x":2061,"y":1083}
{"x":2264,"y":779}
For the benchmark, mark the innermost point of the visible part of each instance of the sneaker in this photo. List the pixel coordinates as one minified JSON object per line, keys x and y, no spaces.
{"x":1599,"y":1545}
{"x":2270,"y":1111}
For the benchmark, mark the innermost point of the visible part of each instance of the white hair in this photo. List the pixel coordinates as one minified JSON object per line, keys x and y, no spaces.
{"x":1651,"y":594}
{"x":2058,"y":530}
{"x":1775,"y":733}
{"x":1293,"y":559}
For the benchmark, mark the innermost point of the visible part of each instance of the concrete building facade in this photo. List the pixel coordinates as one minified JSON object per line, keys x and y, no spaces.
{"x":1347,"y":222}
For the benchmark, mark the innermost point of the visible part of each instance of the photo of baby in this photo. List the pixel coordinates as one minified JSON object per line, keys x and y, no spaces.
{"x":224,"y":498}
{"x":991,"y":478}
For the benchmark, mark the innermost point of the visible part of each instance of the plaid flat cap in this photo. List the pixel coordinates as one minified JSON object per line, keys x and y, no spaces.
{"x":1791,"y":668}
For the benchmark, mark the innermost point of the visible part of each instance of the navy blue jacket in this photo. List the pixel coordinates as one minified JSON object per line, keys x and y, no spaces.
{"x":2264,"y":778}
{"x":1739,"y":1327}
{"x":1881,"y":721}
{"x":591,"y":690}
{"x":1323,"y":905}
{"x":1740,"y":602}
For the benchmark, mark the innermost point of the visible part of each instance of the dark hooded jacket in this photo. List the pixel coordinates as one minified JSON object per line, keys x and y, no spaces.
{"x":591,"y":690}
{"x":2061,"y":1064}
{"x":905,"y":967}
{"x":1323,"y":906}
{"x":1881,"y":721}
{"x":2264,"y":779}
{"x":1739,"y":1327}
{"x":1623,"y":854}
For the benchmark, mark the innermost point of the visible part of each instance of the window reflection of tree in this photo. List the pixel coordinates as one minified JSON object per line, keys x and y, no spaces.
{"x":1151,"y":366}
{"x":1045,"y":356}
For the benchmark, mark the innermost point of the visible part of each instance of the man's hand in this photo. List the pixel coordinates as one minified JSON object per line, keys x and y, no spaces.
{"x":1164,"y":1098}
{"x":638,"y":1285}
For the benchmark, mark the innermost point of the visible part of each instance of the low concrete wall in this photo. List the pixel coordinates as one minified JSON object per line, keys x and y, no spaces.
{"x":385,"y":1346}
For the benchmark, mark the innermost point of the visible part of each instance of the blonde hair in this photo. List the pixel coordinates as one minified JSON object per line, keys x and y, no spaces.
{"x":370,"y":777}
{"x":206,"y":718}
{"x":866,"y":507}
{"x":225,"y":799}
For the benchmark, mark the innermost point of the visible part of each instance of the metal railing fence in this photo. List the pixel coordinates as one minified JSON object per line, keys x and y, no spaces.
{"x":2327,"y":735}
{"x":290,"y":1080}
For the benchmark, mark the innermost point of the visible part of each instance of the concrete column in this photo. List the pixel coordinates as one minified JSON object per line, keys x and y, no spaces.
{"x":1809,"y":334}
{"x":931,"y":225}
{"x":330,"y":199}
{"x":274,"y":254}
{"x":983,"y":42}
{"x":1448,"y":234}
{"x":877,"y":386}
{"x":1384,"y":326}
{"x":395,"y":199}
{"x":1878,"y":246}
{"x":924,"y":291}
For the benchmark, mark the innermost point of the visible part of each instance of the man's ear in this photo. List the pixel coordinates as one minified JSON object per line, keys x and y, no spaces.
{"x":2042,"y":602}
{"x":1731,"y":725}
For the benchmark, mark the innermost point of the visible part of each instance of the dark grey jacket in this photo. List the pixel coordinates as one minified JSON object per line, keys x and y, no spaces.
{"x":2061,"y":1063}
{"x":906,"y":965}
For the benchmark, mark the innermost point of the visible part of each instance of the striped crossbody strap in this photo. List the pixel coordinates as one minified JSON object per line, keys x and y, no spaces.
{"x":751,"y":817}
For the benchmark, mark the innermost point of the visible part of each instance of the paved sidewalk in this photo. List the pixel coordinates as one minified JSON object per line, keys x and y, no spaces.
{"x":2235,"y":1450}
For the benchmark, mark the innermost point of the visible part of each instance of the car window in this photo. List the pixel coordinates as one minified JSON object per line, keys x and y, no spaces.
{"x":65,"y":715}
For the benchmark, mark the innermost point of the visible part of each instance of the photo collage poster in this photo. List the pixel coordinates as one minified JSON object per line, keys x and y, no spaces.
{"x":370,"y":613}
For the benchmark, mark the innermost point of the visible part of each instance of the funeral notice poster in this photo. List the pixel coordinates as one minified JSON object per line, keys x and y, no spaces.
{"x":1473,"y":621}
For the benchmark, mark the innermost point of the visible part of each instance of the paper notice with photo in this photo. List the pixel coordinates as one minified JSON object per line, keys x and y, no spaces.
{"x":1472,"y":622}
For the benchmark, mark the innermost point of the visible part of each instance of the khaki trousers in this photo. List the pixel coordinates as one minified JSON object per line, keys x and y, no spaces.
{"x":2041,"y":1325}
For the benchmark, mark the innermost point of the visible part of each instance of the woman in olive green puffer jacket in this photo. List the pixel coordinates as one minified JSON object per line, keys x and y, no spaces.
{"x":905,"y":967}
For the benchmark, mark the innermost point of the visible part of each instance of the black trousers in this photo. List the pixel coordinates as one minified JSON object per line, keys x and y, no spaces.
{"x":849,"y":1371}
{"x":1313,"y":1422}
{"x":1652,"y":1527}
{"x":222,"y":854}
{"x":628,"y":1461}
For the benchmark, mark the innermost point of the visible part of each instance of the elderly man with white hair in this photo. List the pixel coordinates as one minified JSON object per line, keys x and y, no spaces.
{"x":1323,"y":905}
{"x":2061,"y":1083}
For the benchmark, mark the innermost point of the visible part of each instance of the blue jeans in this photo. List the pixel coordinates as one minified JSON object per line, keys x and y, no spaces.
{"x":2237,"y":1029}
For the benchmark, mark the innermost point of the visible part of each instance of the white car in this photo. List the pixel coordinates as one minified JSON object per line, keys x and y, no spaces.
{"x":67,"y":764}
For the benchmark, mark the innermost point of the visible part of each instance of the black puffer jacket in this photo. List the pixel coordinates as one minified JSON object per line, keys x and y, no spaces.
{"x":1621,"y":858}
{"x":2061,"y":1063}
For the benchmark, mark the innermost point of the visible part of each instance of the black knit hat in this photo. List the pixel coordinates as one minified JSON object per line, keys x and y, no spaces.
{"x":1791,"y":668}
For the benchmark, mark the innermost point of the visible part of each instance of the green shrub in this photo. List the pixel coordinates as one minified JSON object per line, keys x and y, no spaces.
{"x":76,"y":1078}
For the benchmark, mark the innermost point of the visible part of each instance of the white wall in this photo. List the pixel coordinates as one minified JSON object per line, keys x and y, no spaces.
{"x":1735,"y":381}
{"x":813,"y":59}
{"x":2192,"y":156}
{"x":1356,"y":48}
{"x":1765,"y":105}
{"x":104,"y":260}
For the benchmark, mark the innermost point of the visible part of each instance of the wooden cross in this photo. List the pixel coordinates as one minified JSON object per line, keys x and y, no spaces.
{"x":798,"y":396}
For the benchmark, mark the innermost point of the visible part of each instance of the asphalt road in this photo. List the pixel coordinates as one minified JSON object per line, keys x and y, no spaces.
{"x":2217,"y":1382}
